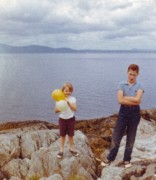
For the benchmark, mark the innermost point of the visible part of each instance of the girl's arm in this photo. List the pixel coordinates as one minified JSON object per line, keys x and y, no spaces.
{"x":122,"y":100}
{"x":56,"y":110}
{"x":72,"y":106}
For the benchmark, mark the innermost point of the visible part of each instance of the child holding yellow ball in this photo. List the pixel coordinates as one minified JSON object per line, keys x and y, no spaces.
{"x":67,"y":120}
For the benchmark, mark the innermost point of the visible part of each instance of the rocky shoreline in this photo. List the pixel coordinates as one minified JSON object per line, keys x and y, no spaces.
{"x":28,"y":150}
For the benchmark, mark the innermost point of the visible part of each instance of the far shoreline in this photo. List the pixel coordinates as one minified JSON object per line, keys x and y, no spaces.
{"x":13,"y":124}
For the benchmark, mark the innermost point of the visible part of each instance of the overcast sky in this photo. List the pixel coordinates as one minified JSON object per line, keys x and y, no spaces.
{"x":79,"y":24}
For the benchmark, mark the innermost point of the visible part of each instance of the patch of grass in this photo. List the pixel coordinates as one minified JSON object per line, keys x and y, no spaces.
{"x":76,"y":177}
{"x":34,"y":177}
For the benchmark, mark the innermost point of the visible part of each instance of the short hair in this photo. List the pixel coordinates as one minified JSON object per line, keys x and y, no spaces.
{"x":134,"y":67}
{"x":69,"y":85}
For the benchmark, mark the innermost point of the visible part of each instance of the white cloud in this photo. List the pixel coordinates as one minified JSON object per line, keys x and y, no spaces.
{"x":79,"y":24}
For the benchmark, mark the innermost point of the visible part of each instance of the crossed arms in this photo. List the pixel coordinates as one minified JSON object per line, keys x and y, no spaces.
{"x":130,"y":100}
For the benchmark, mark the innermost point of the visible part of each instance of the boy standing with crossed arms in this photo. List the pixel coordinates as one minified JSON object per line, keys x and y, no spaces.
{"x":129,"y":95}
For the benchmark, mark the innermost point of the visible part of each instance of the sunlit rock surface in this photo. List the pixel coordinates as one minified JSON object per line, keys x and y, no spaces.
{"x":28,"y":149}
{"x":143,"y":156}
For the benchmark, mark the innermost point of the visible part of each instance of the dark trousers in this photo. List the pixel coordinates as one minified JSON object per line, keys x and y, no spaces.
{"x":128,"y":120}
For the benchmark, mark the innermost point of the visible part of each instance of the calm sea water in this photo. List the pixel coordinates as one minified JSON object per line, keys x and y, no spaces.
{"x":27,"y":80}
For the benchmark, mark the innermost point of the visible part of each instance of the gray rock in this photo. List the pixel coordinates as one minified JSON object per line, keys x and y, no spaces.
{"x":143,"y":156}
{"x":34,"y":153}
{"x":114,"y":173}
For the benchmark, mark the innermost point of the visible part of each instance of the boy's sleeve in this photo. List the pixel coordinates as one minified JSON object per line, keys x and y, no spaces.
{"x":141,"y":87}
{"x":120,"y":86}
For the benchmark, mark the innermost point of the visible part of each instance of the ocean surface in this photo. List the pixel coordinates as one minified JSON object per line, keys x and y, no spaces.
{"x":27,"y":81}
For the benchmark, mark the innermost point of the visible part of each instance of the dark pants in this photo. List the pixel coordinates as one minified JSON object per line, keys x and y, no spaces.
{"x":67,"y":126}
{"x":128,"y":120}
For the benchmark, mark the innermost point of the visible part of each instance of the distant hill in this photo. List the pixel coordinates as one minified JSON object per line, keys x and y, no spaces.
{"x":45,"y":49}
{"x":32,"y":49}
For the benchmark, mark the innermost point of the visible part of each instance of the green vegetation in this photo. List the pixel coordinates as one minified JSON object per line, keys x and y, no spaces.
{"x":34,"y":177}
{"x":76,"y":177}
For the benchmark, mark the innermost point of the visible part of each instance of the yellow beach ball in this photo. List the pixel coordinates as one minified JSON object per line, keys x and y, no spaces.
{"x":57,"y":95}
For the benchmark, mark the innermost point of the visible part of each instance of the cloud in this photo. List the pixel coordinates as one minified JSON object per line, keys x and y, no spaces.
{"x":78,"y":24}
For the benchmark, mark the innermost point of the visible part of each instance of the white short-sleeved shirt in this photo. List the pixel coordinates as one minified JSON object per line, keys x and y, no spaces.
{"x":68,"y":113}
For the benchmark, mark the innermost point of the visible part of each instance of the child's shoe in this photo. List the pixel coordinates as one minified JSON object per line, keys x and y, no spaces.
{"x":127,"y":164}
{"x":74,"y":153}
{"x":105,"y":163}
{"x":60,"y":155}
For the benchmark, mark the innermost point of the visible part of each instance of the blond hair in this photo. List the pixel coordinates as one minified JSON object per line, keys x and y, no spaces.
{"x":69,"y":85}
